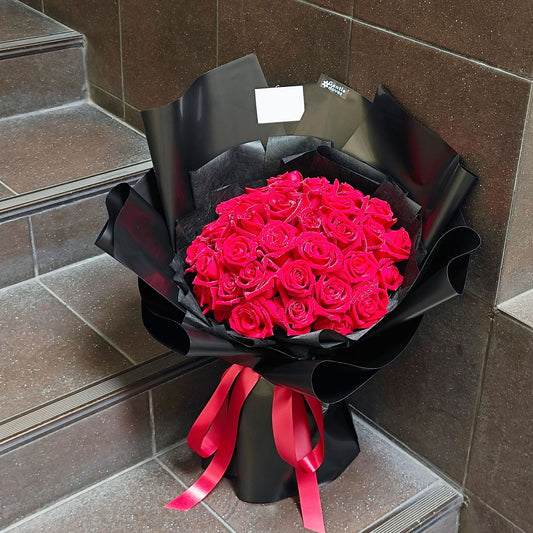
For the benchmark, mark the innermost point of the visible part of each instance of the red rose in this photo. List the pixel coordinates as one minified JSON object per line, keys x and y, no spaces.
{"x":380,"y":211}
{"x":282,"y":205}
{"x":333,"y":294}
{"x":277,"y":239}
{"x":374,"y":234}
{"x":296,"y":278}
{"x":345,"y":189}
{"x":298,"y":315}
{"x":310,"y":219}
{"x":349,"y":205}
{"x":287,"y":181}
{"x":253,"y":318}
{"x":228,"y":291}
{"x":238,"y":250}
{"x":396,"y":245}
{"x":389,"y":275}
{"x":317,"y":186}
{"x":207,"y":265}
{"x":204,"y":297}
{"x":321,"y":254}
{"x":339,"y":227}
{"x":194,"y":249}
{"x":359,"y":266}
{"x":341,"y":323}
{"x":248,"y":220}
{"x":369,"y":304}
{"x":216,"y":230}
{"x":254,"y":279}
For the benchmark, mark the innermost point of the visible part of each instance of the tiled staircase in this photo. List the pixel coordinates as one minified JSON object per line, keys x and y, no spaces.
{"x":93,"y":412}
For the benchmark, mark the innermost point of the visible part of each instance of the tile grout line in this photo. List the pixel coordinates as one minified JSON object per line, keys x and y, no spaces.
{"x":46,"y":274}
{"x":121,"y":60}
{"x":68,"y":499}
{"x":33,"y":248}
{"x":417,"y":41}
{"x":87,"y":323}
{"x":477,"y":404}
{"x":9,"y":188}
{"x":495,"y":511}
{"x":152,"y":422}
{"x":207,"y":507}
{"x":348,"y":54}
{"x":217,"y":31}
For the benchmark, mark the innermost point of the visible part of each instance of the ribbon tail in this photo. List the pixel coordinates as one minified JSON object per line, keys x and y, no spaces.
{"x":310,"y":504}
{"x":293,"y":441}
{"x":244,"y":384}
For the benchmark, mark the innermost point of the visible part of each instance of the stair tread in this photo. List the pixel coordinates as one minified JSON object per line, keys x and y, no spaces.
{"x":88,"y":328}
{"x":58,"y":145}
{"x":381,"y":482}
{"x":18,"y":22}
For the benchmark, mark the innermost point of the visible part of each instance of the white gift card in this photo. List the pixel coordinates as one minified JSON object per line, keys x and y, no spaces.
{"x":279,"y":104}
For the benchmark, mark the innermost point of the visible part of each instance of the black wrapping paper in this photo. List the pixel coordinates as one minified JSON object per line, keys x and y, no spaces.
{"x":206,"y":148}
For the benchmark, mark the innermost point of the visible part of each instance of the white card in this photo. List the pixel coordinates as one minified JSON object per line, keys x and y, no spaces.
{"x":279,"y":104}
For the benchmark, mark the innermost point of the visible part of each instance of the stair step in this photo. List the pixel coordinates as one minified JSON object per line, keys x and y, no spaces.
{"x":67,"y":329}
{"x":19,"y":23}
{"x":49,"y":148}
{"x":384,"y":490}
{"x":41,"y":61}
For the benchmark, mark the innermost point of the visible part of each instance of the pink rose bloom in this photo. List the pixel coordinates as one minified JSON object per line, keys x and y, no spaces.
{"x":396,"y":245}
{"x":248,"y":220}
{"x":295,"y":278}
{"x":380,"y":211}
{"x":288,"y":181}
{"x":333,"y":294}
{"x":359,"y":266}
{"x":309,"y":219}
{"x":339,"y":227}
{"x":254,"y":318}
{"x":321,"y":254}
{"x":369,"y":304}
{"x":388,"y":275}
{"x":298,"y":315}
{"x":238,"y":250}
{"x":277,"y":239}
{"x":281,"y":204}
{"x":255,"y":279}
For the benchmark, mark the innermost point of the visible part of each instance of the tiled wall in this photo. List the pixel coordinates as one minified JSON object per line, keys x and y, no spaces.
{"x":461,"y":395}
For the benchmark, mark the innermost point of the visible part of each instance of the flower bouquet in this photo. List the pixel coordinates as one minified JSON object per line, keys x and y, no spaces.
{"x":302,"y":253}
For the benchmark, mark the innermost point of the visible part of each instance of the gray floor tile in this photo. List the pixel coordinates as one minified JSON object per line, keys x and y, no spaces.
{"x":43,"y":149}
{"x":105,"y":294}
{"x":134,"y":502}
{"x":381,"y":478}
{"x":46,"y":350}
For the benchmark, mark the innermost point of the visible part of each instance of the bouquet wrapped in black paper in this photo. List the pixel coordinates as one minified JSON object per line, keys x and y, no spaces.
{"x":303,"y":253}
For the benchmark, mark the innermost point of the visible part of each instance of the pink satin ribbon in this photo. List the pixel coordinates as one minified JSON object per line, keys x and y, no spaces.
{"x":293,"y":441}
{"x":215,"y":432}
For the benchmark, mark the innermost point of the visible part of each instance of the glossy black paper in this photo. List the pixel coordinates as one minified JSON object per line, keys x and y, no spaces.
{"x":206,"y":148}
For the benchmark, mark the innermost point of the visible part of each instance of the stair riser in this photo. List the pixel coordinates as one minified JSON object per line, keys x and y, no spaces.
{"x":41,"y":80}
{"x":50,"y":239}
